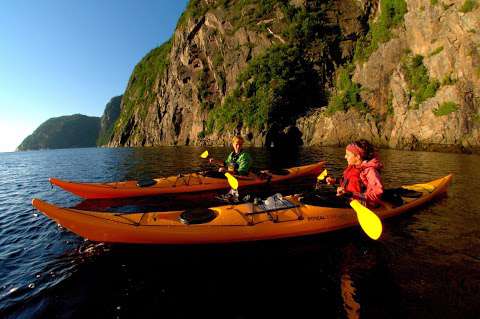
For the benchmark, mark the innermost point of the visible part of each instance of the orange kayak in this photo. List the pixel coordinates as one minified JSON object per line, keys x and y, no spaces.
{"x":224,"y":224}
{"x":188,"y":183}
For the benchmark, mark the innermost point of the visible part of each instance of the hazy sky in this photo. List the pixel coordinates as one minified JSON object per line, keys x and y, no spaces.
{"x":62,"y":57}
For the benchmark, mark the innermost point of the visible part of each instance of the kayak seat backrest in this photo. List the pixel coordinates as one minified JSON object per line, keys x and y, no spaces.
{"x":197,"y":216}
{"x":409,"y":193}
{"x":324,"y":199}
{"x":146,"y":182}
{"x":213,"y":174}
{"x":394,"y":195}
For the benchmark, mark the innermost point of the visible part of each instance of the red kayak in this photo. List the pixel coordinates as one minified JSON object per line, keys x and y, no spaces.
{"x":189,"y":183}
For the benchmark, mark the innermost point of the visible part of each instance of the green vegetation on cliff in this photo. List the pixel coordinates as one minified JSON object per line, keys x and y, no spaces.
{"x":141,"y":87}
{"x":347,"y":93}
{"x":281,"y":83}
{"x":468,"y":6}
{"x":436,"y":51}
{"x":419,"y":82}
{"x":64,"y":132}
{"x":298,"y":24}
{"x":275,"y":86}
{"x":476,"y":119}
{"x":108,"y":119}
{"x":248,"y":14}
{"x":194,"y":10}
{"x":445,"y":108}
{"x":391,"y":15}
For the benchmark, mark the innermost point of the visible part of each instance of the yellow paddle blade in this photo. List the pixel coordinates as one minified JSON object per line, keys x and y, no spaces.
{"x":204,"y":154}
{"x":369,"y":222}
{"x":232,"y":181}
{"x":322,"y":175}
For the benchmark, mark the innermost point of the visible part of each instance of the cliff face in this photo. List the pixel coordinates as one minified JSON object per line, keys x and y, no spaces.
{"x":447,"y":42}
{"x":189,"y":101}
{"x":63,"y":132}
{"x":108,"y":119}
{"x":299,"y":68}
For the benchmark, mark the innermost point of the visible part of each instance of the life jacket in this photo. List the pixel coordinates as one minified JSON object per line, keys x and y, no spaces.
{"x":239,"y":163}
{"x":232,"y":164}
{"x":364,"y":182}
{"x":351,"y":179}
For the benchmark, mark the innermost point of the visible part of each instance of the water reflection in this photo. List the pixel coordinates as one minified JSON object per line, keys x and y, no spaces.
{"x":351,"y":306}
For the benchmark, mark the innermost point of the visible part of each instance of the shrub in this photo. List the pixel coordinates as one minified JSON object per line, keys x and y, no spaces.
{"x":246,"y":13}
{"x":217,"y":59}
{"x":436,"y":51}
{"x":222,"y":81}
{"x":476,"y":119}
{"x":298,"y":25}
{"x":391,"y":14}
{"x":303,"y":26}
{"x":390,"y":110}
{"x":448,"y":80}
{"x":420,"y":85}
{"x":277,"y":84}
{"x":468,"y":6}
{"x":347,"y":94}
{"x":445,"y":108}
{"x":194,"y":10}
{"x":202,"y":87}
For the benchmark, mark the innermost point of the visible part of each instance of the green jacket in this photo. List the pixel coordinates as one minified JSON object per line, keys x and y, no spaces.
{"x":241,"y":161}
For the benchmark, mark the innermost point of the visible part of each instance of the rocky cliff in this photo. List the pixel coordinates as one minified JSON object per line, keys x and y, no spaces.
{"x":404,"y":74}
{"x":108,"y":119}
{"x":422,"y":85}
{"x":237,"y":66}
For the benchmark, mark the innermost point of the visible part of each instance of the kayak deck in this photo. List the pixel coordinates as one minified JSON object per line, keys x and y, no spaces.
{"x":188,"y":183}
{"x":231,"y":223}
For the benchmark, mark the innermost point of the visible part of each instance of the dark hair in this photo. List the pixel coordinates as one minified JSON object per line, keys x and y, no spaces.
{"x":367,"y":147}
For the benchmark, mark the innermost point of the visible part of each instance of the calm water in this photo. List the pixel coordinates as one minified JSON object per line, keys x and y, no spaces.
{"x":426,"y":265}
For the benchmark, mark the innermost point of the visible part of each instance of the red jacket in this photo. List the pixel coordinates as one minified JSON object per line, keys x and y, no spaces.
{"x":351,"y":179}
{"x":364,"y":182}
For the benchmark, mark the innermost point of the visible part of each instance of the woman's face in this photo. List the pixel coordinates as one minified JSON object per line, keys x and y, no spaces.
{"x":237,"y":146}
{"x":352,"y":159}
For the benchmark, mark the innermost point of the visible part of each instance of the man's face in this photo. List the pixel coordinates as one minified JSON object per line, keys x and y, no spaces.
{"x":237,"y":146}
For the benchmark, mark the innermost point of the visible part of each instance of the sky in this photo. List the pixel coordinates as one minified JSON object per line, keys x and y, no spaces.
{"x":62,"y":57}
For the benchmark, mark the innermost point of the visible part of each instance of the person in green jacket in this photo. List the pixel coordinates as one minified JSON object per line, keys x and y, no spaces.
{"x":238,"y":162}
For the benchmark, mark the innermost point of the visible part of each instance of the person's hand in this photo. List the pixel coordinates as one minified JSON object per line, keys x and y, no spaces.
{"x":340,"y":191}
{"x":222,"y":169}
{"x":298,"y":197}
{"x":330,"y":180}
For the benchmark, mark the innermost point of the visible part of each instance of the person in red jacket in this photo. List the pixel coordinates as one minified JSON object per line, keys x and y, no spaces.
{"x":361,"y":179}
